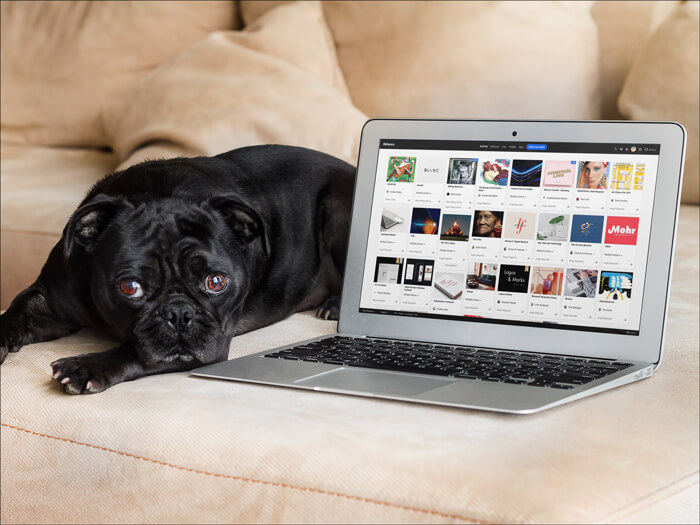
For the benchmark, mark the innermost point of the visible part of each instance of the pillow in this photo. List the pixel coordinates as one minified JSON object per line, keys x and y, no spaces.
{"x":622,"y":26}
{"x":62,"y":61}
{"x":664,"y":84}
{"x":466,"y":59}
{"x":276,"y":82}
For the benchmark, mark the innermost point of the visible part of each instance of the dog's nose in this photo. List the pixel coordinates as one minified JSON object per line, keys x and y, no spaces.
{"x":179,"y":315}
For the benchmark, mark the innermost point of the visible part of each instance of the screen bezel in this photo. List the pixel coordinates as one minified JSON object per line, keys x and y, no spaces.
{"x":647,"y":346}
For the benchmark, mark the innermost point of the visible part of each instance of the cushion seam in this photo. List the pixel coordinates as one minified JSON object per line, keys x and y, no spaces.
{"x":251,"y":480}
{"x":621,"y":518}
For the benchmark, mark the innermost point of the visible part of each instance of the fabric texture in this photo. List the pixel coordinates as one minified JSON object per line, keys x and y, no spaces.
{"x":234,"y":89}
{"x":63,"y":61}
{"x":177,"y":448}
{"x":664,"y":84}
{"x":387,"y":52}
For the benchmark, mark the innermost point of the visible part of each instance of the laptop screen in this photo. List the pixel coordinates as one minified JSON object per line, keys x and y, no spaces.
{"x":534,"y":234}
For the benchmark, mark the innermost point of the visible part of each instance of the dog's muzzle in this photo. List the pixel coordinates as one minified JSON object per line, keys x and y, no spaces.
{"x":179,"y":315}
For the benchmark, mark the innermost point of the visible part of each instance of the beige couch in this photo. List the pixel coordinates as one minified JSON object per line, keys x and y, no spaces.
{"x":88,"y":88}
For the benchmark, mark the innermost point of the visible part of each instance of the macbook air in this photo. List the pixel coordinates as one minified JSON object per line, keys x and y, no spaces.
{"x":541,"y":279}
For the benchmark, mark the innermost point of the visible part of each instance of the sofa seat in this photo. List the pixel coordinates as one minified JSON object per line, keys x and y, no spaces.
{"x":178,"y":448}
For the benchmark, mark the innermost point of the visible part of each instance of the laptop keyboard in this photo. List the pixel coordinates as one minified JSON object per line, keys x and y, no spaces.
{"x":523,"y":368}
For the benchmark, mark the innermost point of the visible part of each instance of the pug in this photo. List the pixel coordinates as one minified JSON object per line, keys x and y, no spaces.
{"x":173,"y":258}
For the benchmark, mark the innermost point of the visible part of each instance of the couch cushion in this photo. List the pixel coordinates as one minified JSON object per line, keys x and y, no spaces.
{"x":664,"y":84}
{"x":61,"y":61}
{"x":276,"y":82}
{"x":177,"y":448}
{"x":39,"y":189}
{"x":465,"y":59}
{"x":622,"y":27}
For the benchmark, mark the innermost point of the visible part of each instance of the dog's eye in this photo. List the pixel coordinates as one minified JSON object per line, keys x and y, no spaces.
{"x":131,"y":288}
{"x":215,"y":283}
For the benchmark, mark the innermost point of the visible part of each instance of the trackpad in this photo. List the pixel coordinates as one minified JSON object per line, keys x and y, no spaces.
{"x":373,"y":381}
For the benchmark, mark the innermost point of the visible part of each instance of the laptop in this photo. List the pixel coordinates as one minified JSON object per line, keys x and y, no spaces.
{"x":543,"y":279}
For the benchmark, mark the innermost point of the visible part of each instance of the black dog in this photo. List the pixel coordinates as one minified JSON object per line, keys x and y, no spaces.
{"x":175,"y":257}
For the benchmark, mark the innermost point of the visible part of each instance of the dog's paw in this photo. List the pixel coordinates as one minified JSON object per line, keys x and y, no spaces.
{"x":329,"y":309}
{"x":10,"y":337}
{"x":82,"y":374}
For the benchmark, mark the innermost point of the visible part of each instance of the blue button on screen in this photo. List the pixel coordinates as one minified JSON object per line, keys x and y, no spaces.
{"x":538,"y":147}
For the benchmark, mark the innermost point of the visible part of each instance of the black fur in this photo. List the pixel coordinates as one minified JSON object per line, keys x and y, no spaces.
{"x":273,"y":220}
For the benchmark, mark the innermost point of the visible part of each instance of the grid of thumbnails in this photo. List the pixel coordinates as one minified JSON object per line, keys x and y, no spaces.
{"x":507,"y":238}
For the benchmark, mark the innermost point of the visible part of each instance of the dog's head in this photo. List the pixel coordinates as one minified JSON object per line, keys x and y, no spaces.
{"x":168,"y":275}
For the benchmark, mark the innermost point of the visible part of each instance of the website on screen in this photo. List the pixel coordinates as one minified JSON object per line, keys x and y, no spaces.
{"x":511,"y":232}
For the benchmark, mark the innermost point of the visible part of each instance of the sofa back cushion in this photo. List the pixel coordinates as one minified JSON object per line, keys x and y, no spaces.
{"x":622,"y":27}
{"x":62,"y":61}
{"x":278,"y":81}
{"x":664,"y":84}
{"x":465,"y":59}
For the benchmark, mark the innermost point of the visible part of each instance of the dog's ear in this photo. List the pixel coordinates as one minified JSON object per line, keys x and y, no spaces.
{"x":88,"y":222}
{"x":242,"y":219}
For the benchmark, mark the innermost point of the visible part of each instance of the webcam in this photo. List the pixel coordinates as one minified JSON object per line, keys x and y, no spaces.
{"x":515,"y":133}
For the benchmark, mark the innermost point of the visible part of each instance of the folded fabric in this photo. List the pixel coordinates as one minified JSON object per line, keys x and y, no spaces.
{"x":276,"y":82}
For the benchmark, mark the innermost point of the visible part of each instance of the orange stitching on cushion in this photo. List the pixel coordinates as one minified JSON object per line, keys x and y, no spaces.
{"x":251,"y":480}
{"x":619,"y":518}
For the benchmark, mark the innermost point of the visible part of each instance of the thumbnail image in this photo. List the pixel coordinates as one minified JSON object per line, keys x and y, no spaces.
{"x":553,"y":227}
{"x":455,"y":227}
{"x":482,"y":276}
{"x":581,"y":283}
{"x":638,"y":183}
{"x":513,"y":278}
{"x":401,"y":169}
{"x":419,"y":272}
{"x":519,"y":225}
{"x":495,"y":172}
{"x":526,"y":173}
{"x":587,"y":228}
{"x":621,"y":230}
{"x":593,"y":175}
{"x":487,"y":223}
{"x":462,"y":171}
{"x":425,"y":220}
{"x":622,"y":176}
{"x":395,"y":219}
{"x":615,"y":286}
{"x":546,"y":281}
{"x":450,"y":284}
{"x":559,"y":173}
{"x":387,"y":270}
